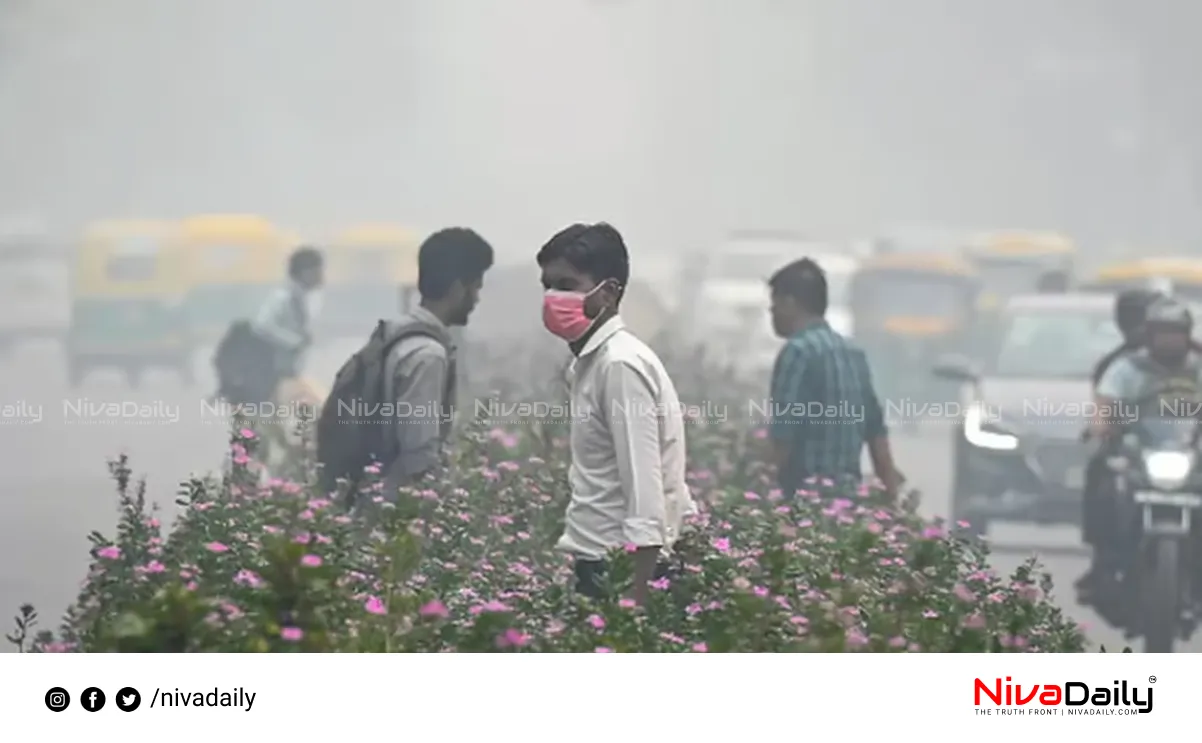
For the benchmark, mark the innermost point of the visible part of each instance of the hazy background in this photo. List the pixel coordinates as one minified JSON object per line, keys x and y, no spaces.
{"x":676,"y":119}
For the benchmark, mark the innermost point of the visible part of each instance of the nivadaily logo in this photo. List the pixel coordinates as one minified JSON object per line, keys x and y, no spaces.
{"x":1070,"y":697}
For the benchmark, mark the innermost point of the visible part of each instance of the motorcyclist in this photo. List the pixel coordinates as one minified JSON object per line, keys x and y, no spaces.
{"x":1130,"y":308}
{"x":1164,"y":360}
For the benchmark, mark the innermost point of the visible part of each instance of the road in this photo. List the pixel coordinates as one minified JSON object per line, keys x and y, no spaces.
{"x":58,"y":488}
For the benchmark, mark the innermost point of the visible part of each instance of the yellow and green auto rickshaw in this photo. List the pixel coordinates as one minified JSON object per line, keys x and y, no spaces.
{"x":127,"y":285}
{"x":232,"y":262}
{"x":1012,"y":263}
{"x":371,"y":273}
{"x":1177,"y":275}
{"x":908,"y":308}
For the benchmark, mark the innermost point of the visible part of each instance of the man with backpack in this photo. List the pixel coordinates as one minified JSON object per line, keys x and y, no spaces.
{"x":393,"y":401}
{"x":285,"y":318}
{"x":254,"y":355}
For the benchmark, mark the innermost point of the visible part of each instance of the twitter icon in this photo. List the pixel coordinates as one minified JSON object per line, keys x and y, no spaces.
{"x":128,"y":699}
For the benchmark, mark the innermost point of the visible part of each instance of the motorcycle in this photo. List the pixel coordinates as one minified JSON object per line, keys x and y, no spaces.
{"x":1158,"y":486}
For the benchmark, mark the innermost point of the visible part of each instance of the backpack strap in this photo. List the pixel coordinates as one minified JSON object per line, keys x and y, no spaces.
{"x":389,"y":335}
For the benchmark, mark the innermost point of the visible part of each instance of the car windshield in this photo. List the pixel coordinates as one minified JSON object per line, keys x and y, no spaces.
{"x":1055,"y":343}
{"x":897,"y":295}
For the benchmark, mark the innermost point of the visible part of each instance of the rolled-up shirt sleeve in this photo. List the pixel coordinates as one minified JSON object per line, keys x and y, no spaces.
{"x":634,"y":422}
{"x":785,"y":392}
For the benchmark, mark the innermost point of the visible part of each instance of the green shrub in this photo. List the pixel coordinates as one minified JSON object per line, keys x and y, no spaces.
{"x":465,"y":564}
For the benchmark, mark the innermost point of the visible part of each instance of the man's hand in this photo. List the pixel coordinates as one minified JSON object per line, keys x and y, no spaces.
{"x":645,"y":559}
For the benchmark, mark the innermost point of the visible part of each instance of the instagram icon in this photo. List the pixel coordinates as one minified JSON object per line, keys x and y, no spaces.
{"x":57,"y":699}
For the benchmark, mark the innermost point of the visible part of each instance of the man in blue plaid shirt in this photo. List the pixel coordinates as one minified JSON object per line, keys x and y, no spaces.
{"x":824,"y":407}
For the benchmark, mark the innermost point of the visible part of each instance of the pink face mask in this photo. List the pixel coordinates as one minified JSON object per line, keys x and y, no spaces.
{"x":563,"y":314}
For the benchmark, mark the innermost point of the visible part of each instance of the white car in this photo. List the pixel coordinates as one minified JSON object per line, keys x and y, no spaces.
{"x":35,"y":290}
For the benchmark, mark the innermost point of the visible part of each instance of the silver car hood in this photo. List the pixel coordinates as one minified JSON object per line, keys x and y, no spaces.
{"x":1051,"y":408}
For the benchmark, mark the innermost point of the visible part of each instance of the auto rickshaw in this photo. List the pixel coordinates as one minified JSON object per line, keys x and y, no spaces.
{"x":908,"y":308}
{"x":1012,"y":263}
{"x":232,"y":262}
{"x":127,"y":287}
{"x":371,"y":273}
{"x":1177,"y":275}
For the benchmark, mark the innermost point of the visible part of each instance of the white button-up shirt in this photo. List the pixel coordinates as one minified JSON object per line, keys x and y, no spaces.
{"x":628,"y":448}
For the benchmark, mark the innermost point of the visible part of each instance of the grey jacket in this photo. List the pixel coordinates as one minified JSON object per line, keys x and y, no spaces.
{"x":421,"y":380}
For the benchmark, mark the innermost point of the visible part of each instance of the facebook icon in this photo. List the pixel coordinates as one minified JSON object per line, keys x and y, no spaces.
{"x":92,"y":699}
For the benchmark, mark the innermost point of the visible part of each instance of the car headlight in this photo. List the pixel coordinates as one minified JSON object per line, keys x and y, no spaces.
{"x":1168,"y":470}
{"x":977,"y":431}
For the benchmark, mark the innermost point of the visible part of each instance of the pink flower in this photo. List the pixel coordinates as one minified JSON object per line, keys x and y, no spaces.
{"x":627,"y":603}
{"x":154,"y":566}
{"x":722,"y":544}
{"x":311,"y":561}
{"x":897,"y":642}
{"x":111,"y":552}
{"x":374,"y":605}
{"x":246,"y":433}
{"x":603,"y":649}
{"x":854,"y":638}
{"x":701,"y":647}
{"x":760,"y":591}
{"x":932,"y":532}
{"x":930,"y":614}
{"x":495,"y":607}
{"x":596,"y":622}
{"x":302,"y":538}
{"x":750,"y":496}
{"x":975,"y":621}
{"x":217,"y":547}
{"x":435,"y":609}
{"x":964,"y":593}
{"x":248,"y":578}
{"x":511,"y":638}
{"x":292,"y":634}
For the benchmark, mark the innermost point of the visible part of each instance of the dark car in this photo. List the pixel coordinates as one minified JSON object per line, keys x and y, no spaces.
{"x":1017,"y":453}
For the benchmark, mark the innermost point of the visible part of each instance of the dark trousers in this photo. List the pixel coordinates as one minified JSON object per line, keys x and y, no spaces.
{"x":1098,"y":510}
{"x":590,"y":575}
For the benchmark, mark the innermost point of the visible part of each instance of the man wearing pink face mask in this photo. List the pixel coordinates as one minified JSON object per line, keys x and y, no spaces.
{"x":627,"y":430}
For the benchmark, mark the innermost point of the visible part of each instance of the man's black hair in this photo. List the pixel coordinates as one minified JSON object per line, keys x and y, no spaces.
{"x":302,"y":259}
{"x":450,"y":255}
{"x":597,"y":250}
{"x":805,"y":281}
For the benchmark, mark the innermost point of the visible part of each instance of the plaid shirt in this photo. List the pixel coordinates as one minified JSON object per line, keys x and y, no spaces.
{"x":824,"y":407}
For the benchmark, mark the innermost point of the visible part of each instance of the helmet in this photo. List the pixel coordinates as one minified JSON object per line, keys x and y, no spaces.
{"x":1130,"y":308}
{"x":1169,"y":313}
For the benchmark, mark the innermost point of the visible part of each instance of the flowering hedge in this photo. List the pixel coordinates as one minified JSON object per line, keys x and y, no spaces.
{"x":465,"y":564}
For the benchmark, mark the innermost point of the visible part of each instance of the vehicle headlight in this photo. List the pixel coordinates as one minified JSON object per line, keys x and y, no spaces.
{"x":977,"y":431}
{"x":1168,"y":470}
